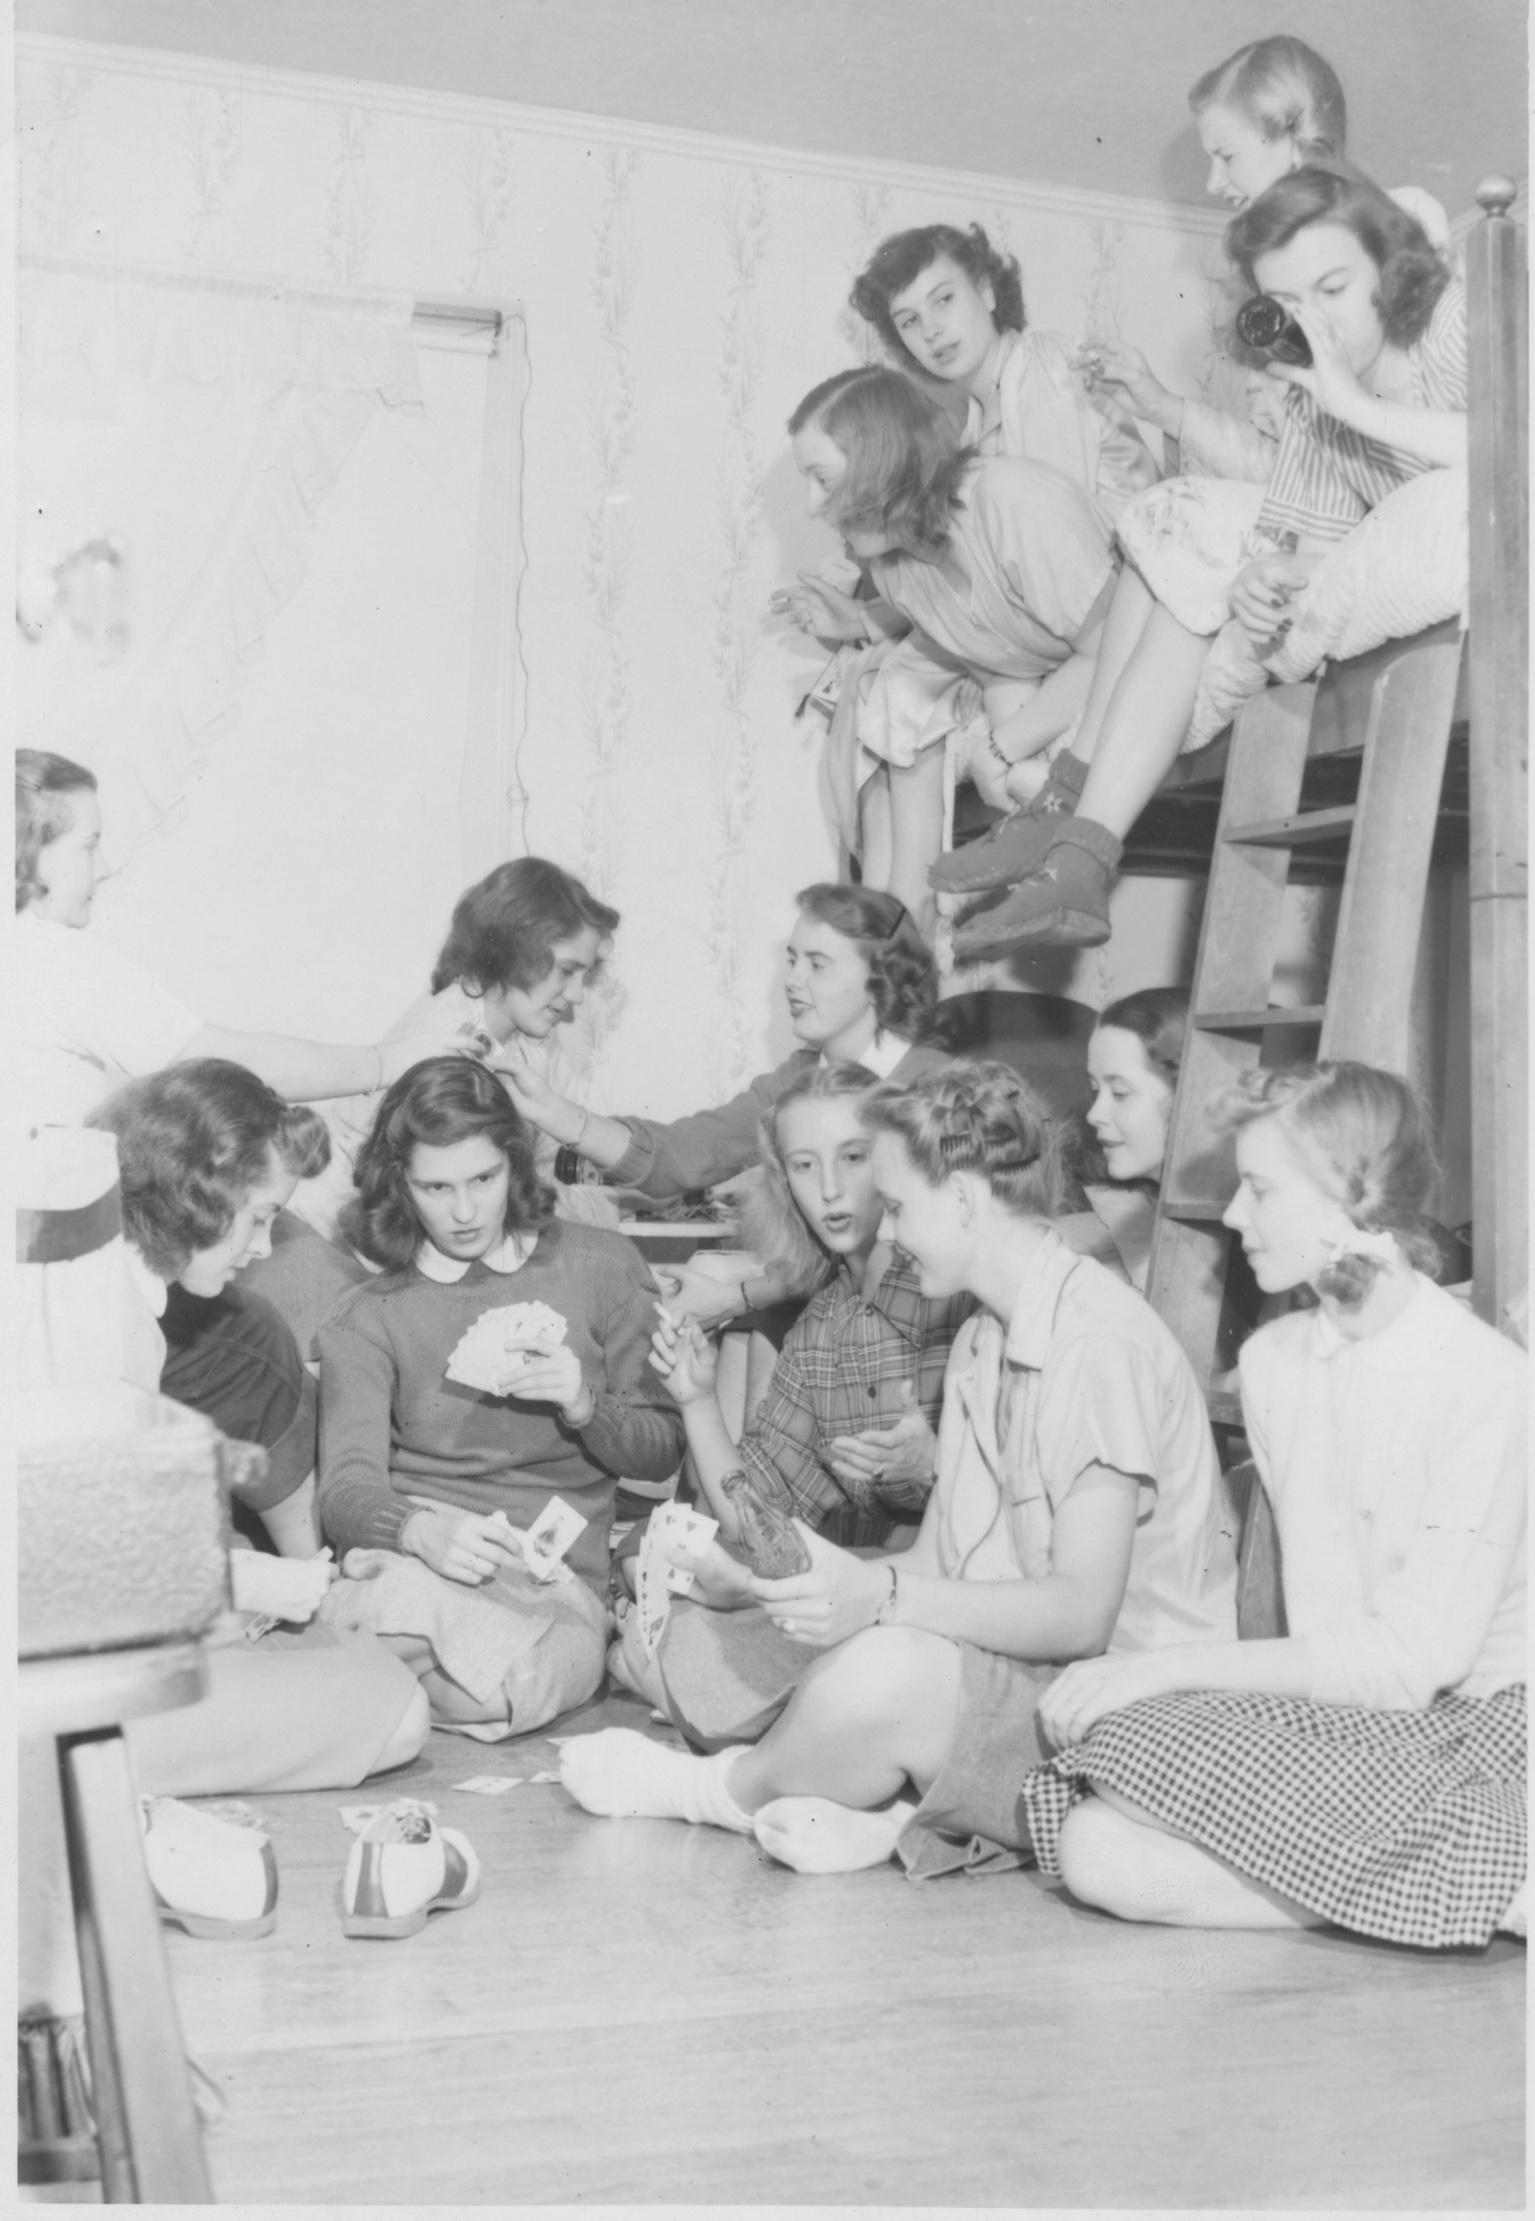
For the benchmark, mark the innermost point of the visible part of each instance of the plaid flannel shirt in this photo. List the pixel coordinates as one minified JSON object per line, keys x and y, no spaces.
{"x":840,"y":1372}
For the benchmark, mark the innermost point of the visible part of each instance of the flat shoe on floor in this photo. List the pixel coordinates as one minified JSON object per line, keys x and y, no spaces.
{"x":212,"y":1873}
{"x":402,"y":1867}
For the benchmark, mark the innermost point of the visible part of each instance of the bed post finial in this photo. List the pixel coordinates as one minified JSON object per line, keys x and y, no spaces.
{"x":1495,"y":195}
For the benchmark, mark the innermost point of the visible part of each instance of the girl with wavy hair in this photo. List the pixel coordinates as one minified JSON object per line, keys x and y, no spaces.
{"x":523,"y":948}
{"x":1077,"y":1508}
{"x":1367,"y":1768}
{"x":428,"y":1482}
{"x":948,"y":305}
{"x":1382,"y":401}
{"x":208,"y":1154}
{"x":1001,"y":568}
{"x":861,"y":989}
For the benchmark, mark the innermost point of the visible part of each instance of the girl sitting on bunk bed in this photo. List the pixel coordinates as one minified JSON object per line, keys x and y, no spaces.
{"x":1382,"y":402}
{"x":1367,"y":1768}
{"x":1077,"y":1506}
{"x":1001,"y":566}
{"x":949,"y":306}
{"x":1273,"y":106}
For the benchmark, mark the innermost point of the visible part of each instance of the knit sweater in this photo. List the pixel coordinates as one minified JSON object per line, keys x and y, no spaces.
{"x":712,"y":1145}
{"x":393,"y":1427}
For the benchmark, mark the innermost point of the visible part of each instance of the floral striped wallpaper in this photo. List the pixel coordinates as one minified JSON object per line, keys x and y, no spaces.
{"x":681,"y":293}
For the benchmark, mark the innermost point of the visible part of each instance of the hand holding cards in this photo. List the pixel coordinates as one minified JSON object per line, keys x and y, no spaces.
{"x":501,"y":1344}
{"x":673,"y":1530}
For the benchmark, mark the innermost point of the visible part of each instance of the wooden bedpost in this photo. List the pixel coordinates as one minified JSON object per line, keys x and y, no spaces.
{"x":1499,"y":683}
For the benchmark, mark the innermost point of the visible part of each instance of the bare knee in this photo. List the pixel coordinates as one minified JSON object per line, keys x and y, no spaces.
{"x":881,"y":1669}
{"x":410,"y":1733}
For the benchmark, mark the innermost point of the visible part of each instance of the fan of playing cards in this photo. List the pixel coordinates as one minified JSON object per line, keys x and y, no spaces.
{"x":489,"y":1353}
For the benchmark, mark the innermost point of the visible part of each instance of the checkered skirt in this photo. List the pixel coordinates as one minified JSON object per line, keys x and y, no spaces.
{"x":1410,"y":1826}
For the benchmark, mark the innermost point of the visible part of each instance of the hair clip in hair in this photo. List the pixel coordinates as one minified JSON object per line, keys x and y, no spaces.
{"x":1379,"y":1247}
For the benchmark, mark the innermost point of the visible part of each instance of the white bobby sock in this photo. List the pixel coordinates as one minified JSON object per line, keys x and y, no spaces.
{"x":624,"y":1776}
{"x":815,"y":1836}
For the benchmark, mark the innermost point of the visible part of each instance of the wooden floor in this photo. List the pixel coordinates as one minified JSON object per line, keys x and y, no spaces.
{"x":640,"y":2012}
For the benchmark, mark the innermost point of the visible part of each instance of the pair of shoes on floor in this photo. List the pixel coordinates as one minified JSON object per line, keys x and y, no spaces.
{"x":213,"y":1872}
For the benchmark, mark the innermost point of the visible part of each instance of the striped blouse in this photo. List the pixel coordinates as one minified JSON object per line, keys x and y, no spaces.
{"x":1327,"y":476}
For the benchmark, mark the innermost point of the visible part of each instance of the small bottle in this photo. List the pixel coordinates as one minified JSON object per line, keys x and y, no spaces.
{"x":766,"y":1536}
{"x":1269,"y":329}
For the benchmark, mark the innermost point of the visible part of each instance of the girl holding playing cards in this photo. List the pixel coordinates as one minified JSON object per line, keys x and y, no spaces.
{"x":435,"y":1462}
{"x":1367,"y":1768}
{"x":1077,"y":1509}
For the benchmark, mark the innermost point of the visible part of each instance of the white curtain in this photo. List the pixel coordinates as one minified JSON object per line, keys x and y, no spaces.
{"x":200,"y":423}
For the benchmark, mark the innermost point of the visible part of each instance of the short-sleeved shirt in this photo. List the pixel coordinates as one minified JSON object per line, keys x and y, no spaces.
{"x":83,"y":1019}
{"x":1327,"y":476}
{"x":1085,"y":1374}
{"x":1028,"y":557}
{"x":840,"y":1371}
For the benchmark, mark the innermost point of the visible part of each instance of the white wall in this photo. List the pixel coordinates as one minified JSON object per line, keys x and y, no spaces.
{"x":681,"y":294}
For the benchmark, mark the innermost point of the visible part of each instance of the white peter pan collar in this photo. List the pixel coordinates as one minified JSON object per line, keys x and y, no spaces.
{"x":881,"y":1057}
{"x":507,"y":1256}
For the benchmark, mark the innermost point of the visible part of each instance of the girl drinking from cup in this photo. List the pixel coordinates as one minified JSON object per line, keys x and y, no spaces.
{"x":1368,"y":1767}
{"x":1273,"y":106}
{"x":429,"y":1483}
{"x":1003,"y":569}
{"x":1077,"y":1509}
{"x":1382,"y":401}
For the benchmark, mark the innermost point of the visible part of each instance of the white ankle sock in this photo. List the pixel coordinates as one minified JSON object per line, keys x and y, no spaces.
{"x":623,"y":1775}
{"x":815,"y":1836}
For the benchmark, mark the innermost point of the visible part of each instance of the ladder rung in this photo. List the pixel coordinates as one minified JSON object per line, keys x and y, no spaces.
{"x":1193,"y":1206}
{"x":1258,"y":1021}
{"x":1295,"y":832}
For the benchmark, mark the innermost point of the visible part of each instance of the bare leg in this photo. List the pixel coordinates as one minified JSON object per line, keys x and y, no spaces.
{"x":294,"y":1524}
{"x":916,"y":833}
{"x":1114,"y":1855}
{"x":869,"y":1716}
{"x":1132,"y":604}
{"x":448,"y":1700}
{"x":1145,"y":723}
{"x":878,"y":851}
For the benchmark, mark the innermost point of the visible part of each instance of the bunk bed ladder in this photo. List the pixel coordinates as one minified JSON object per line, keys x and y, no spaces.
{"x":1394,"y":709}
{"x":1367,"y":1009}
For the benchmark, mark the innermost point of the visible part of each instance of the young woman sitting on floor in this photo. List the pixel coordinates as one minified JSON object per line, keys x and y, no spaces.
{"x":861,"y":989}
{"x":1077,"y":1508}
{"x":208,"y":1154}
{"x":1132,"y":1061}
{"x":846,"y":1435}
{"x":523,"y":946}
{"x":1367,"y":1768}
{"x":428,"y":1483}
